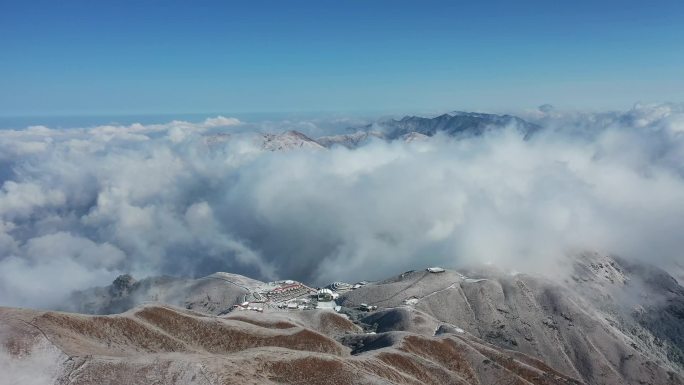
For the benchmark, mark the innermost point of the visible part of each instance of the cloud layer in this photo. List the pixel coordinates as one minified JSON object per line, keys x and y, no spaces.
{"x":80,"y":206}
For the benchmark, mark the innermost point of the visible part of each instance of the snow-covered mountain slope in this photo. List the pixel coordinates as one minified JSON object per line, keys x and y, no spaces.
{"x":288,"y":140}
{"x":350,"y":141}
{"x":603,"y":321}
{"x":283,"y":141}
{"x":608,"y":322}
{"x":213,"y":294}
{"x":414,"y":137}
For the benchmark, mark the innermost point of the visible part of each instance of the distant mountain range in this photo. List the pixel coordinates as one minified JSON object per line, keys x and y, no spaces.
{"x":456,"y":124}
{"x":409,"y":128}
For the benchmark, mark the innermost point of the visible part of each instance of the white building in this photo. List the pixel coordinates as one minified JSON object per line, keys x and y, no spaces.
{"x":435,"y":269}
{"x":325,"y":295}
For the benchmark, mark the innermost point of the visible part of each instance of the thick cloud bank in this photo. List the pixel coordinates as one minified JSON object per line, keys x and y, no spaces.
{"x":80,"y":206}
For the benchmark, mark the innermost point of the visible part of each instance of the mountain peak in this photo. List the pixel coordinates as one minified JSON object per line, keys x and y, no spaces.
{"x":288,"y":140}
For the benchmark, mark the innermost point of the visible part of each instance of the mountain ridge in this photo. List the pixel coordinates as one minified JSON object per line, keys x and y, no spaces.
{"x":455,"y":124}
{"x":604,"y":321}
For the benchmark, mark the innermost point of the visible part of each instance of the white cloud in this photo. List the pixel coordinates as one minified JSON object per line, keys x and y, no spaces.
{"x":22,"y":199}
{"x":221,"y":121}
{"x":42,"y":365}
{"x":152,"y":199}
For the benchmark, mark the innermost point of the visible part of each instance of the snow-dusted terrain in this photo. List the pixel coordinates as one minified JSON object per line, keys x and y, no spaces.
{"x":607,"y":321}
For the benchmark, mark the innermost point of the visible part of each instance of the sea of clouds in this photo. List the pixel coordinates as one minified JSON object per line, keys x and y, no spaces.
{"x":80,"y":206}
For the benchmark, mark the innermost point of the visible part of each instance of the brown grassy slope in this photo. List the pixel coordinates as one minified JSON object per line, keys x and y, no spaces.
{"x":166,"y":345}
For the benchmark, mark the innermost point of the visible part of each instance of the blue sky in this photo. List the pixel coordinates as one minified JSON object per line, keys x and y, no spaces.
{"x":137,"y":57}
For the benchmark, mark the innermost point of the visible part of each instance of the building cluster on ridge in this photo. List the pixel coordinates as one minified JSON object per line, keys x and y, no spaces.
{"x":289,"y":295}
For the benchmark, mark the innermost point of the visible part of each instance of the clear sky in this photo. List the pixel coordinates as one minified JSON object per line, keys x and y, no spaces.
{"x":111,"y":57}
